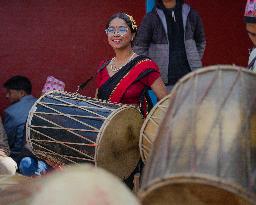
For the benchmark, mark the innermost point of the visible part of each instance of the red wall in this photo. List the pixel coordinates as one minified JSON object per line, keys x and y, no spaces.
{"x":66,"y":38}
{"x":227,"y":40}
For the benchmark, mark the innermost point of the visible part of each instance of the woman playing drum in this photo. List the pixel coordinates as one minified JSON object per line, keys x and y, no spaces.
{"x":126,"y":77}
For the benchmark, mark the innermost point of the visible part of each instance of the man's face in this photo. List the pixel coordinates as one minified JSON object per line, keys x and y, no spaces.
{"x":14,"y":95}
{"x":251,"y":30}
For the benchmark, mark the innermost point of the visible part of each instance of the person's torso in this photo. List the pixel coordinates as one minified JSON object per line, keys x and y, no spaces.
{"x":131,"y":95}
{"x":17,"y":115}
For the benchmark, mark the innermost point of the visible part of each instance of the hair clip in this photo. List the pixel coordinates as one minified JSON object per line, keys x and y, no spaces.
{"x":134,"y":26}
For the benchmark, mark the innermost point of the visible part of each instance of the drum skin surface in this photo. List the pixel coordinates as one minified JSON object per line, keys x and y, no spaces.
{"x":205,"y":149}
{"x":67,"y":128}
{"x":150,"y":127}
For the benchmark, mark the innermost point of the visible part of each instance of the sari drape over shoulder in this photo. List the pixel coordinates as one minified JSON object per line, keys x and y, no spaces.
{"x":115,"y":87}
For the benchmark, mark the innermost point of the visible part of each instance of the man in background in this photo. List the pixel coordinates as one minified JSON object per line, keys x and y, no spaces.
{"x":172,"y":35}
{"x":18,"y":92}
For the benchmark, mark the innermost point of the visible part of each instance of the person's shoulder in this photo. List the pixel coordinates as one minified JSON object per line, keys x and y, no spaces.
{"x":145,"y":59}
{"x":30,"y":97}
{"x":192,"y":11}
{"x":26,"y":100}
{"x":151,"y":15}
{"x":142,"y":58}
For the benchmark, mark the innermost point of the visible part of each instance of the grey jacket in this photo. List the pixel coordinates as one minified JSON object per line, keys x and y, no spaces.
{"x":152,"y":39}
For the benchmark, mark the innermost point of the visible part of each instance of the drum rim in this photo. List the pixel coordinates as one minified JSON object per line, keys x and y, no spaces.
{"x":104,"y":127}
{"x":102,"y":130}
{"x":198,"y":178}
{"x":145,"y":123}
{"x":29,"y":119}
{"x":220,"y":67}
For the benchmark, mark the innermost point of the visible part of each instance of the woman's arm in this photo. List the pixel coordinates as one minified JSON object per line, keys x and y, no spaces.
{"x":159,"y":88}
{"x":96,"y":93}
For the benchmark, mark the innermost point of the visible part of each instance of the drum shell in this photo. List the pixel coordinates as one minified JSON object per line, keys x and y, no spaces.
{"x":206,"y":141}
{"x":65,"y":128}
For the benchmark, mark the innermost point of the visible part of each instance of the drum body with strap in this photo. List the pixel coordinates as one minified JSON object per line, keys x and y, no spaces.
{"x":205,"y":151}
{"x":64,"y":128}
{"x":150,"y":127}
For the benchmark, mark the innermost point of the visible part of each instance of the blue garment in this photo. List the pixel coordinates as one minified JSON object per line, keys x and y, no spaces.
{"x":153,"y":97}
{"x":150,"y":5}
{"x":32,"y":167}
{"x":15,"y":117}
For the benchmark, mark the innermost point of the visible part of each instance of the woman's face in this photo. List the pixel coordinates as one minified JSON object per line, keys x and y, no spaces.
{"x":119,"y":34}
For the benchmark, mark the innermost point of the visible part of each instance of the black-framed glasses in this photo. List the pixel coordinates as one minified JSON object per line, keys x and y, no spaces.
{"x":121,"y":30}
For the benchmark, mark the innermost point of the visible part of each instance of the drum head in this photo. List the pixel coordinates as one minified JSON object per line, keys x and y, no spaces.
{"x":196,"y":191}
{"x":120,"y":142}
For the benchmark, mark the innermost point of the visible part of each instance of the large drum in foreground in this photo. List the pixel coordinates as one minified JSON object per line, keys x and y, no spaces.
{"x":66,"y":128}
{"x":150,"y":127}
{"x":204,"y":153}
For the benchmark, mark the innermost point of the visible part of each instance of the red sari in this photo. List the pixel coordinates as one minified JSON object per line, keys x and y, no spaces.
{"x":130,"y":83}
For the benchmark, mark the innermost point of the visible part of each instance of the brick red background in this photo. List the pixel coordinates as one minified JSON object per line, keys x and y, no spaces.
{"x":66,"y":39}
{"x":227,"y":40}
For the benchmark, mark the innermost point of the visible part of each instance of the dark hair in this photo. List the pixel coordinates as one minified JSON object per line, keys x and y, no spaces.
{"x":19,"y":83}
{"x":127,"y":18}
{"x":160,"y":4}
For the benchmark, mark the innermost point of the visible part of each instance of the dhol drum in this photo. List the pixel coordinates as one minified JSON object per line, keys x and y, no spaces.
{"x":150,"y":127}
{"x":205,"y":151}
{"x":64,"y":128}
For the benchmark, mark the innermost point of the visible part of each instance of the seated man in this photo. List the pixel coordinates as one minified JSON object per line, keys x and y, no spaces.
{"x":7,"y":165}
{"x":18,"y":92}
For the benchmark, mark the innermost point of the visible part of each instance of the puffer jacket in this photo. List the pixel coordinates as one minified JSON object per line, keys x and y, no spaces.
{"x":152,"y":39}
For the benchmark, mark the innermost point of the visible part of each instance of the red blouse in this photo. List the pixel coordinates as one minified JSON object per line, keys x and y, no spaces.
{"x":132,"y":94}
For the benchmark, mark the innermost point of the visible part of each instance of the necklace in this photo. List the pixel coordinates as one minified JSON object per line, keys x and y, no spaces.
{"x":113,"y":68}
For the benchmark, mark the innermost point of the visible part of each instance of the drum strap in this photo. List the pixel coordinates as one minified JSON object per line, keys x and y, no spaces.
{"x":84,"y":84}
{"x":103,"y":65}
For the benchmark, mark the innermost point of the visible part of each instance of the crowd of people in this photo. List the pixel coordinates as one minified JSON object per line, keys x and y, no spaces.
{"x":168,"y":44}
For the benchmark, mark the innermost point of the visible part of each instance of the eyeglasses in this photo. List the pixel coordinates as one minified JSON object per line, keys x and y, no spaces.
{"x":121,"y":30}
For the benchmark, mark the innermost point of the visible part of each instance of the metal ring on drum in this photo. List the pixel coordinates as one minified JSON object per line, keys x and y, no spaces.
{"x":66,"y":128}
{"x":205,"y":150}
